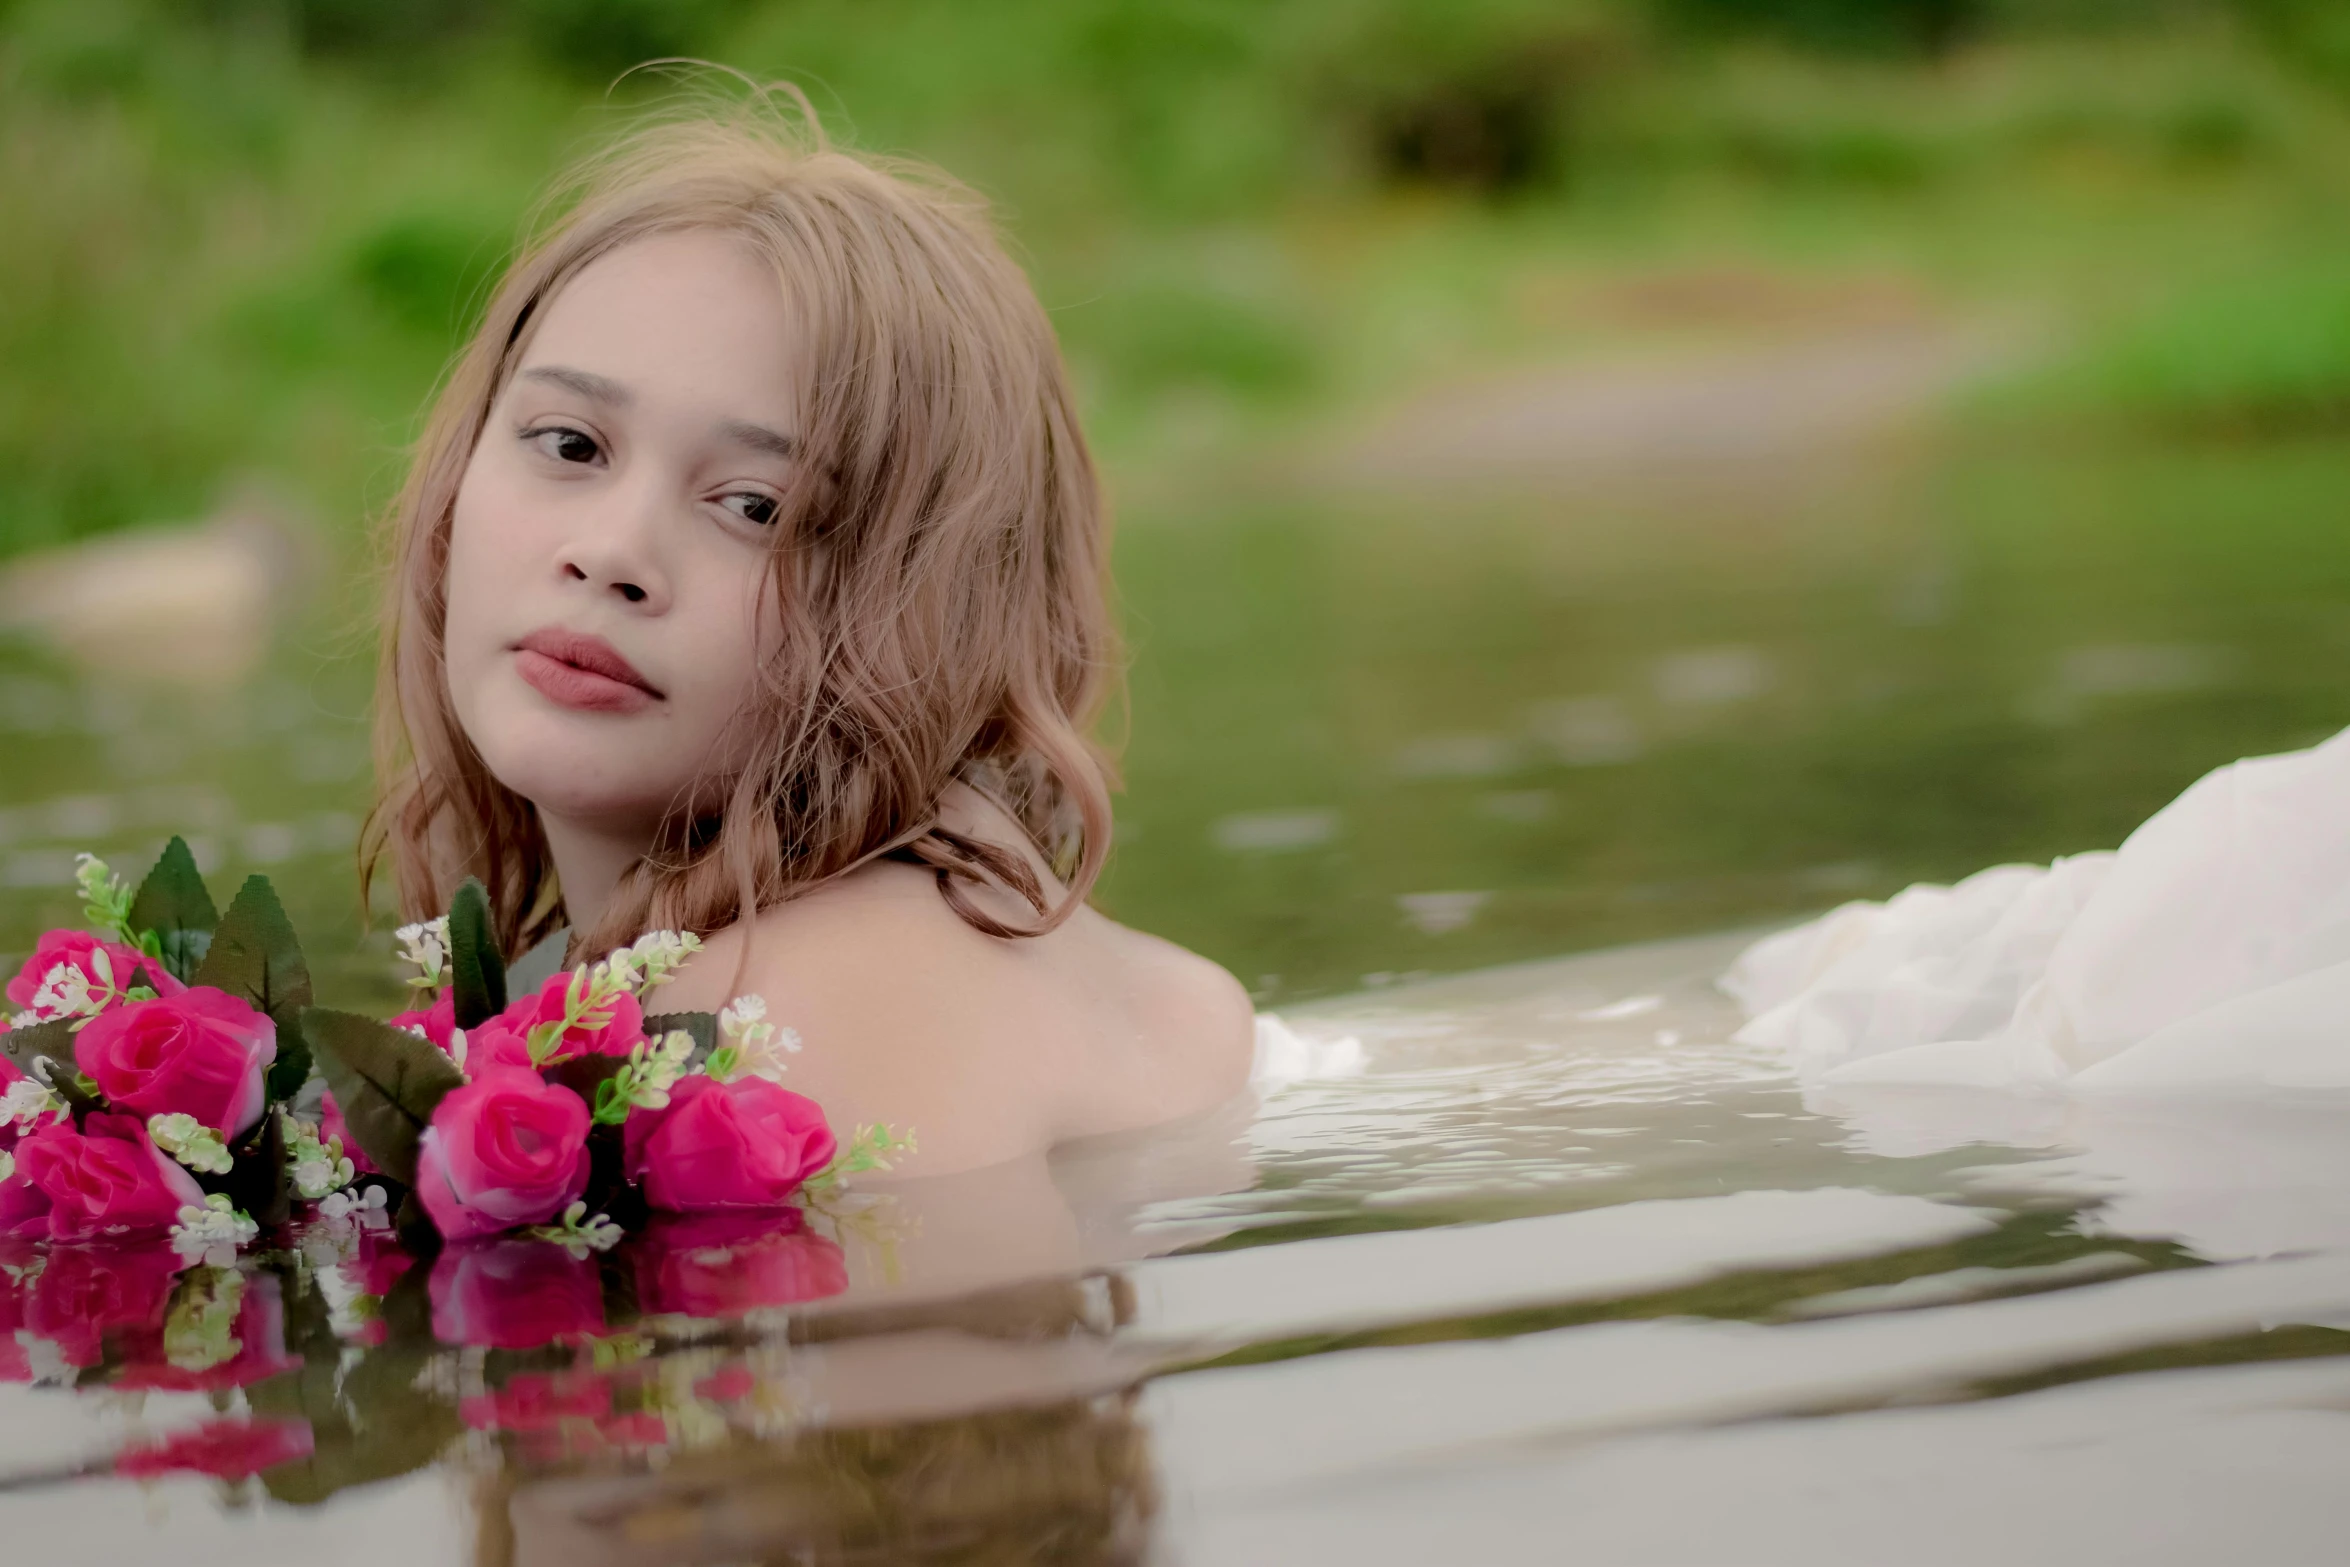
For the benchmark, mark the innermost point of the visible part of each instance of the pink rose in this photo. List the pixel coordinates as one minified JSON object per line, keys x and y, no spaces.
{"x":202,"y":1052}
{"x":78,"y":950}
{"x":615,"y":1038}
{"x":514,"y":1294}
{"x":437,"y":1022}
{"x":86,"y":1293}
{"x":24,"y":1208}
{"x":724,"y":1264}
{"x":744,"y":1144}
{"x":506,"y":1149}
{"x":332,"y":1125}
{"x":105,"y":1181}
{"x":496,"y":1043}
{"x":227,"y":1449}
{"x":372,"y":1269}
{"x":9,"y":1133}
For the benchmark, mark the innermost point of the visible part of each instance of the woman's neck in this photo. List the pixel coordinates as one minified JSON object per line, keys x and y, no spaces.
{"x":589,"y":862}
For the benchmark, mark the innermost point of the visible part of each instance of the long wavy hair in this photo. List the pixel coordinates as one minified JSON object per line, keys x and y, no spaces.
{"x":939,"y":573}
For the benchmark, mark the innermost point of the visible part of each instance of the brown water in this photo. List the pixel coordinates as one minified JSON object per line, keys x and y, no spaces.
{"x":1543,"y":1256}
{"x":1523,"y":1264}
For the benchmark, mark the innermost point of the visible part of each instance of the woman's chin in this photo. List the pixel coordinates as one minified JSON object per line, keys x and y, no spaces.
{"x":593,"y":789}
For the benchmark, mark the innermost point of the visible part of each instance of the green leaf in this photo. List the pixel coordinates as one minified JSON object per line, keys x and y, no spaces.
{"x":258,"y":1182}
{"x":583,"y":1075}
{"x":53,"y":1039}
{"x":477,"y":967}
{"x":255,"y":957}
{"x":291,"y":1069}
{"x":703,"y":1026}
{"x":174,"y":906}
{"x":386,"y":1081}
{"x":382,"y":1415}
{"x":68,"y":1086}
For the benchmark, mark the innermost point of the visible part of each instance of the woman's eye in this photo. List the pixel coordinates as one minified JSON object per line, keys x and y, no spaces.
{"x":753,"y":507}
{"x":565,"y":444}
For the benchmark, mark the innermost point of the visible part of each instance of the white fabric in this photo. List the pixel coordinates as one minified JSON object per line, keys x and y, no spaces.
{"x":1286,"y":1056}
{"x":2212,"y":950}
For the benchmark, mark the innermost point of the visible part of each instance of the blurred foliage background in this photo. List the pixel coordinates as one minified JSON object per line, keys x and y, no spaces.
{"x":1314,"y":261}
{"x":243,"y":234}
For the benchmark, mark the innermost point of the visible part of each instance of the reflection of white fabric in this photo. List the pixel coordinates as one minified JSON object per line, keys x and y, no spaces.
{"x":1286,"y":1056}
{"x":2228,"y":1176}
{"x":2211,"y":951}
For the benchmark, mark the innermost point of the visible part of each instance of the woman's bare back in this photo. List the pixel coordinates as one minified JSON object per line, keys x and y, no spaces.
{"x":987,"y":1048}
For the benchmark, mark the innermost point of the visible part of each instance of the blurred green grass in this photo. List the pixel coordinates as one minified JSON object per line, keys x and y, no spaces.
{"x":241,"y":236}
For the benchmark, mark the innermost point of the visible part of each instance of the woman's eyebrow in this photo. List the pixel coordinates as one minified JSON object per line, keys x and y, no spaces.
{"x":759,"y":438}
{"x":596,"y":388}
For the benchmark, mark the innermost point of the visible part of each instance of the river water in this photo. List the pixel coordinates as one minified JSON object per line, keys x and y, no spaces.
{"x":1527,"y":1262}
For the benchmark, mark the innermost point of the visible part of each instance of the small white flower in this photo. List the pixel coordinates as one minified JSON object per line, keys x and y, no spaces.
{"x":657,"y":952}
{"x":64,"y":992}
{"x":356,"y":1206}
{"x":212,"y":1233}
{"x":191,"y":1142}
{"x":91,"y":874}
{"x":579,"y":1234}
{"x":7,"y":1164}
{"x":27,"y":1100}
{"x":317,"y":1169}
{"x":424,"y":946}
{"x":749,"y":1045}
{"x":655,"y":1068}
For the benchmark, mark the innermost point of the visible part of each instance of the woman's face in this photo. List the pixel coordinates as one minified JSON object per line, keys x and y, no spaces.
{"x":610,"y":540}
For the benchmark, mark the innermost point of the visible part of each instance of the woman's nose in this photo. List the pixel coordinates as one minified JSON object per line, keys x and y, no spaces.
{"x":617,"y":548}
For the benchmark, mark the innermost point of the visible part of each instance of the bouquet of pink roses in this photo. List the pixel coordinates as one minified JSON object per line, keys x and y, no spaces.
{"x":158,"y":1081}
{"x":144,"y":1077}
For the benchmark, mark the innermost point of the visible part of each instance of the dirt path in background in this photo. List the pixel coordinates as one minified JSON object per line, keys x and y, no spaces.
{"x":1687,"y":416}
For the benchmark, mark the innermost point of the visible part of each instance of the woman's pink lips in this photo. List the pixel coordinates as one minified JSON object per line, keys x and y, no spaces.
{"x":581,"y":672}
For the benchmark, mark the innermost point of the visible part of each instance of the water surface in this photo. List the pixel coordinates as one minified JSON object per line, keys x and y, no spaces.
{"x":1525,"y":1262}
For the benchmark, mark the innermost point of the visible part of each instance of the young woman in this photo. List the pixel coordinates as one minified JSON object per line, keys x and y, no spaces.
{"x":750,"y":580}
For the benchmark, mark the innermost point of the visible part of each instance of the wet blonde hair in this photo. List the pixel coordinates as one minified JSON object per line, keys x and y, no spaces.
{"x":939,"y":570}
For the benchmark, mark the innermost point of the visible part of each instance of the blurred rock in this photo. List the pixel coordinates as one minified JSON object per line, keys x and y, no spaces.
{"x":190,"y":604}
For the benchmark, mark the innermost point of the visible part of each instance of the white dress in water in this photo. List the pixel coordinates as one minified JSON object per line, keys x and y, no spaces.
{"x":2211,"y":951}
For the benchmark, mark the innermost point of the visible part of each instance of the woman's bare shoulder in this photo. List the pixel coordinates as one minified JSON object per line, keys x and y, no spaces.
{"x":1193,"y":1028}
{"x":990,"y":1048}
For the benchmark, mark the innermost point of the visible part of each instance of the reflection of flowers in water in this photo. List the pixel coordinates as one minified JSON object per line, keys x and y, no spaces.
{"x":353,"y":1260}
{"x":134,"y":1310}
{"x":521,"y":1294}
{"x":539,"y":1401}
{"x":619,"y":1396}
{"x":649,"y":1368}
{"x":228,"y":1449}
{"x":224,"y":1330}
{"x":75,"y":1296}
{"x":715,"y":1265}
{"x":515,"y":1294}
